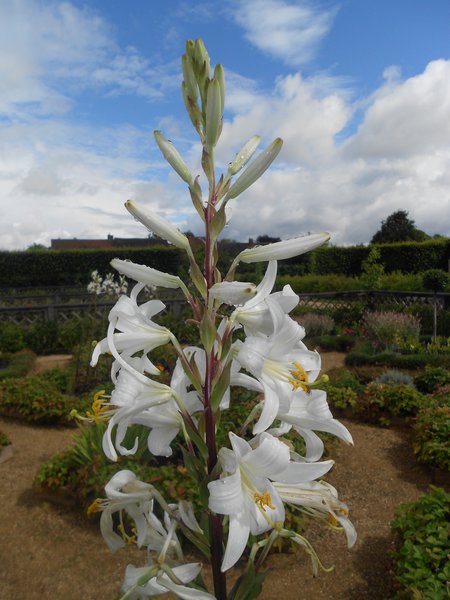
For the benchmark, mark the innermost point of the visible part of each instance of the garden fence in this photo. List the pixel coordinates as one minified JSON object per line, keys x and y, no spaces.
{"x":27,"y":307}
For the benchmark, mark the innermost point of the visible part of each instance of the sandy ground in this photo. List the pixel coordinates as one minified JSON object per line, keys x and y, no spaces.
{"x":49,"y":551}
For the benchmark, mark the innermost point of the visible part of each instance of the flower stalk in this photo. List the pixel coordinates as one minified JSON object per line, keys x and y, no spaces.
{"x":244,"y":486}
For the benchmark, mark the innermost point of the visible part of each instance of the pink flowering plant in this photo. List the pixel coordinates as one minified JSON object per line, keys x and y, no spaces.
{"x":245,"y":486}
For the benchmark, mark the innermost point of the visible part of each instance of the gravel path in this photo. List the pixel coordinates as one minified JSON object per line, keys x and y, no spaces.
{"x":49,"y":551}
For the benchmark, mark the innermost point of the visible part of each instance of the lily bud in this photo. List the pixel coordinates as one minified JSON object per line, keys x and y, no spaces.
{"x":255,"y":170}
{"x":213,"y":113}
{"x":147,"y":275}
{"x":244,"y":155}
{"x":173,"y":157}
{"x":282,"y":250}
{"x":158,"y":225}
{"x":189,"y":78}
{"x":219,"y":76}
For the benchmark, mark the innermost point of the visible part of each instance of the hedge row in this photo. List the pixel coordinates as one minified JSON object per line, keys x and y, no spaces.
{"x":68,"y":267}
{"x":408,"y":257}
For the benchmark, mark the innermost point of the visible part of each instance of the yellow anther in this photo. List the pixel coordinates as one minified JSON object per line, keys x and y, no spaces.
{"x":332,"y":520}
{"x":263,"y":500}
{"x":160,"y":368}
{"x":299,"y":378}
{"x":98,"y":408}
{"x":95,"y":507}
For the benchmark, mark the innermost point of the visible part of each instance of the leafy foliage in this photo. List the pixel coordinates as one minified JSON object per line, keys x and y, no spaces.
{"x":431,"y":378}
{"x":421,"y":566}
{"x":379,"y":402}
{"x":316,"y":325}
{"x":37,"y":400}
{"x":395,"y":377}
{"x":435,"y":280}
{"x":431,"y":435}
{"x":16,"y":365}
{"x":387,"y":328}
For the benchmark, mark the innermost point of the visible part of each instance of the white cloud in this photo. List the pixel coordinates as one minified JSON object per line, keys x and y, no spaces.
{"x":398,"y":158}
{"x":287,"y":30}
{"x":51,"y":51}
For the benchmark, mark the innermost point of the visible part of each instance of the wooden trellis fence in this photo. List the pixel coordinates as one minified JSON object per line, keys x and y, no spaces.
{"x":59,"y":306}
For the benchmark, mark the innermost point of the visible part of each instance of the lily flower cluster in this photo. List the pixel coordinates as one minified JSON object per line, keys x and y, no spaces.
{"x":247,"y":484}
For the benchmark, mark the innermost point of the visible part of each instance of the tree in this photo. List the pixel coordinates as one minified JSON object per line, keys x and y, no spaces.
{"x":398,"y":228}
{"x":267,"y":239}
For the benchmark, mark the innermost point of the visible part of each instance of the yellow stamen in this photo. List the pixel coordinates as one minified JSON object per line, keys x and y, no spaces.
{"x":98,"y":408}
{"x":299,"y":378}
{"x":95,"y":507}
{"x":263,"y":500}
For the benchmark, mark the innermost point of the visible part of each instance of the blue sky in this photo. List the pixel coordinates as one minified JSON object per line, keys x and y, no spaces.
{"x":359,"y":90}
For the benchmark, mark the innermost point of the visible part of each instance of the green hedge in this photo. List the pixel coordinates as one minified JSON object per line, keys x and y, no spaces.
{"x":68,"y":267}
{"x":408,"y":257}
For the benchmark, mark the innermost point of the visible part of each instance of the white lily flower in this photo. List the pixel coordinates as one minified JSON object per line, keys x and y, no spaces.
{"x":319,"y":499}
{"x":282,"y":250}
{"x":153,"y":404}
{"x":281,"y":363}
{"x":309,"y":411}
{"x":147,"y":275}
{"x":246,"y":492}
{"x":124,"y":493}
{"x":136,"y":332}
{"x":161,"y":582}
{"x":257,"y":313}
{"x":233,"y":292}
{"x":158,"y":225}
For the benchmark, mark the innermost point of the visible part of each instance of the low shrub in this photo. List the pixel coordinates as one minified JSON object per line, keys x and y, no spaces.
{"x":36,"y":400}
{"x":61,"y":378}
{"x":316,"y":325}
{"x":387,"y":328}
{"x":42,"y":338}
{"x":18,"y":364}
{"x":431,"y":378}
{"x":331,"y":343}
{"x":343,"y":378}
{"x":421,"y":566}
{"x":395,"y":377}
{"x":11,"y":337}
{"x":356,"y":358}
{"x":431,"y":435}
{"x":380,"y":401}
{"x":342,"y":398}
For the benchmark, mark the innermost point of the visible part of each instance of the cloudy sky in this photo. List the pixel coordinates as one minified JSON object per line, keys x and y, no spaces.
{"x":359,"y":91}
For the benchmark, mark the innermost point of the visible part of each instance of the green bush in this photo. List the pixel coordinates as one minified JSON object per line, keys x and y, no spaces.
{"x":36,"y":400}
{"x":435,"y":280}
{"x":342,"y":398}
{"x":61,"y":378}
{"x":18,"y":364}
{"x":421,"y":568}
{"x":343,"y":378}
{"x":11,"y":337}
{"x":431,"y":378}
{"x":380,"y":401}
{"x":431,"y":435}
{"x":42,"y":338}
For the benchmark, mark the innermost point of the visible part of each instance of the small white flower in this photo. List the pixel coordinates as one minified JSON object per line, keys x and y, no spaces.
{"x":147,"y":275}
